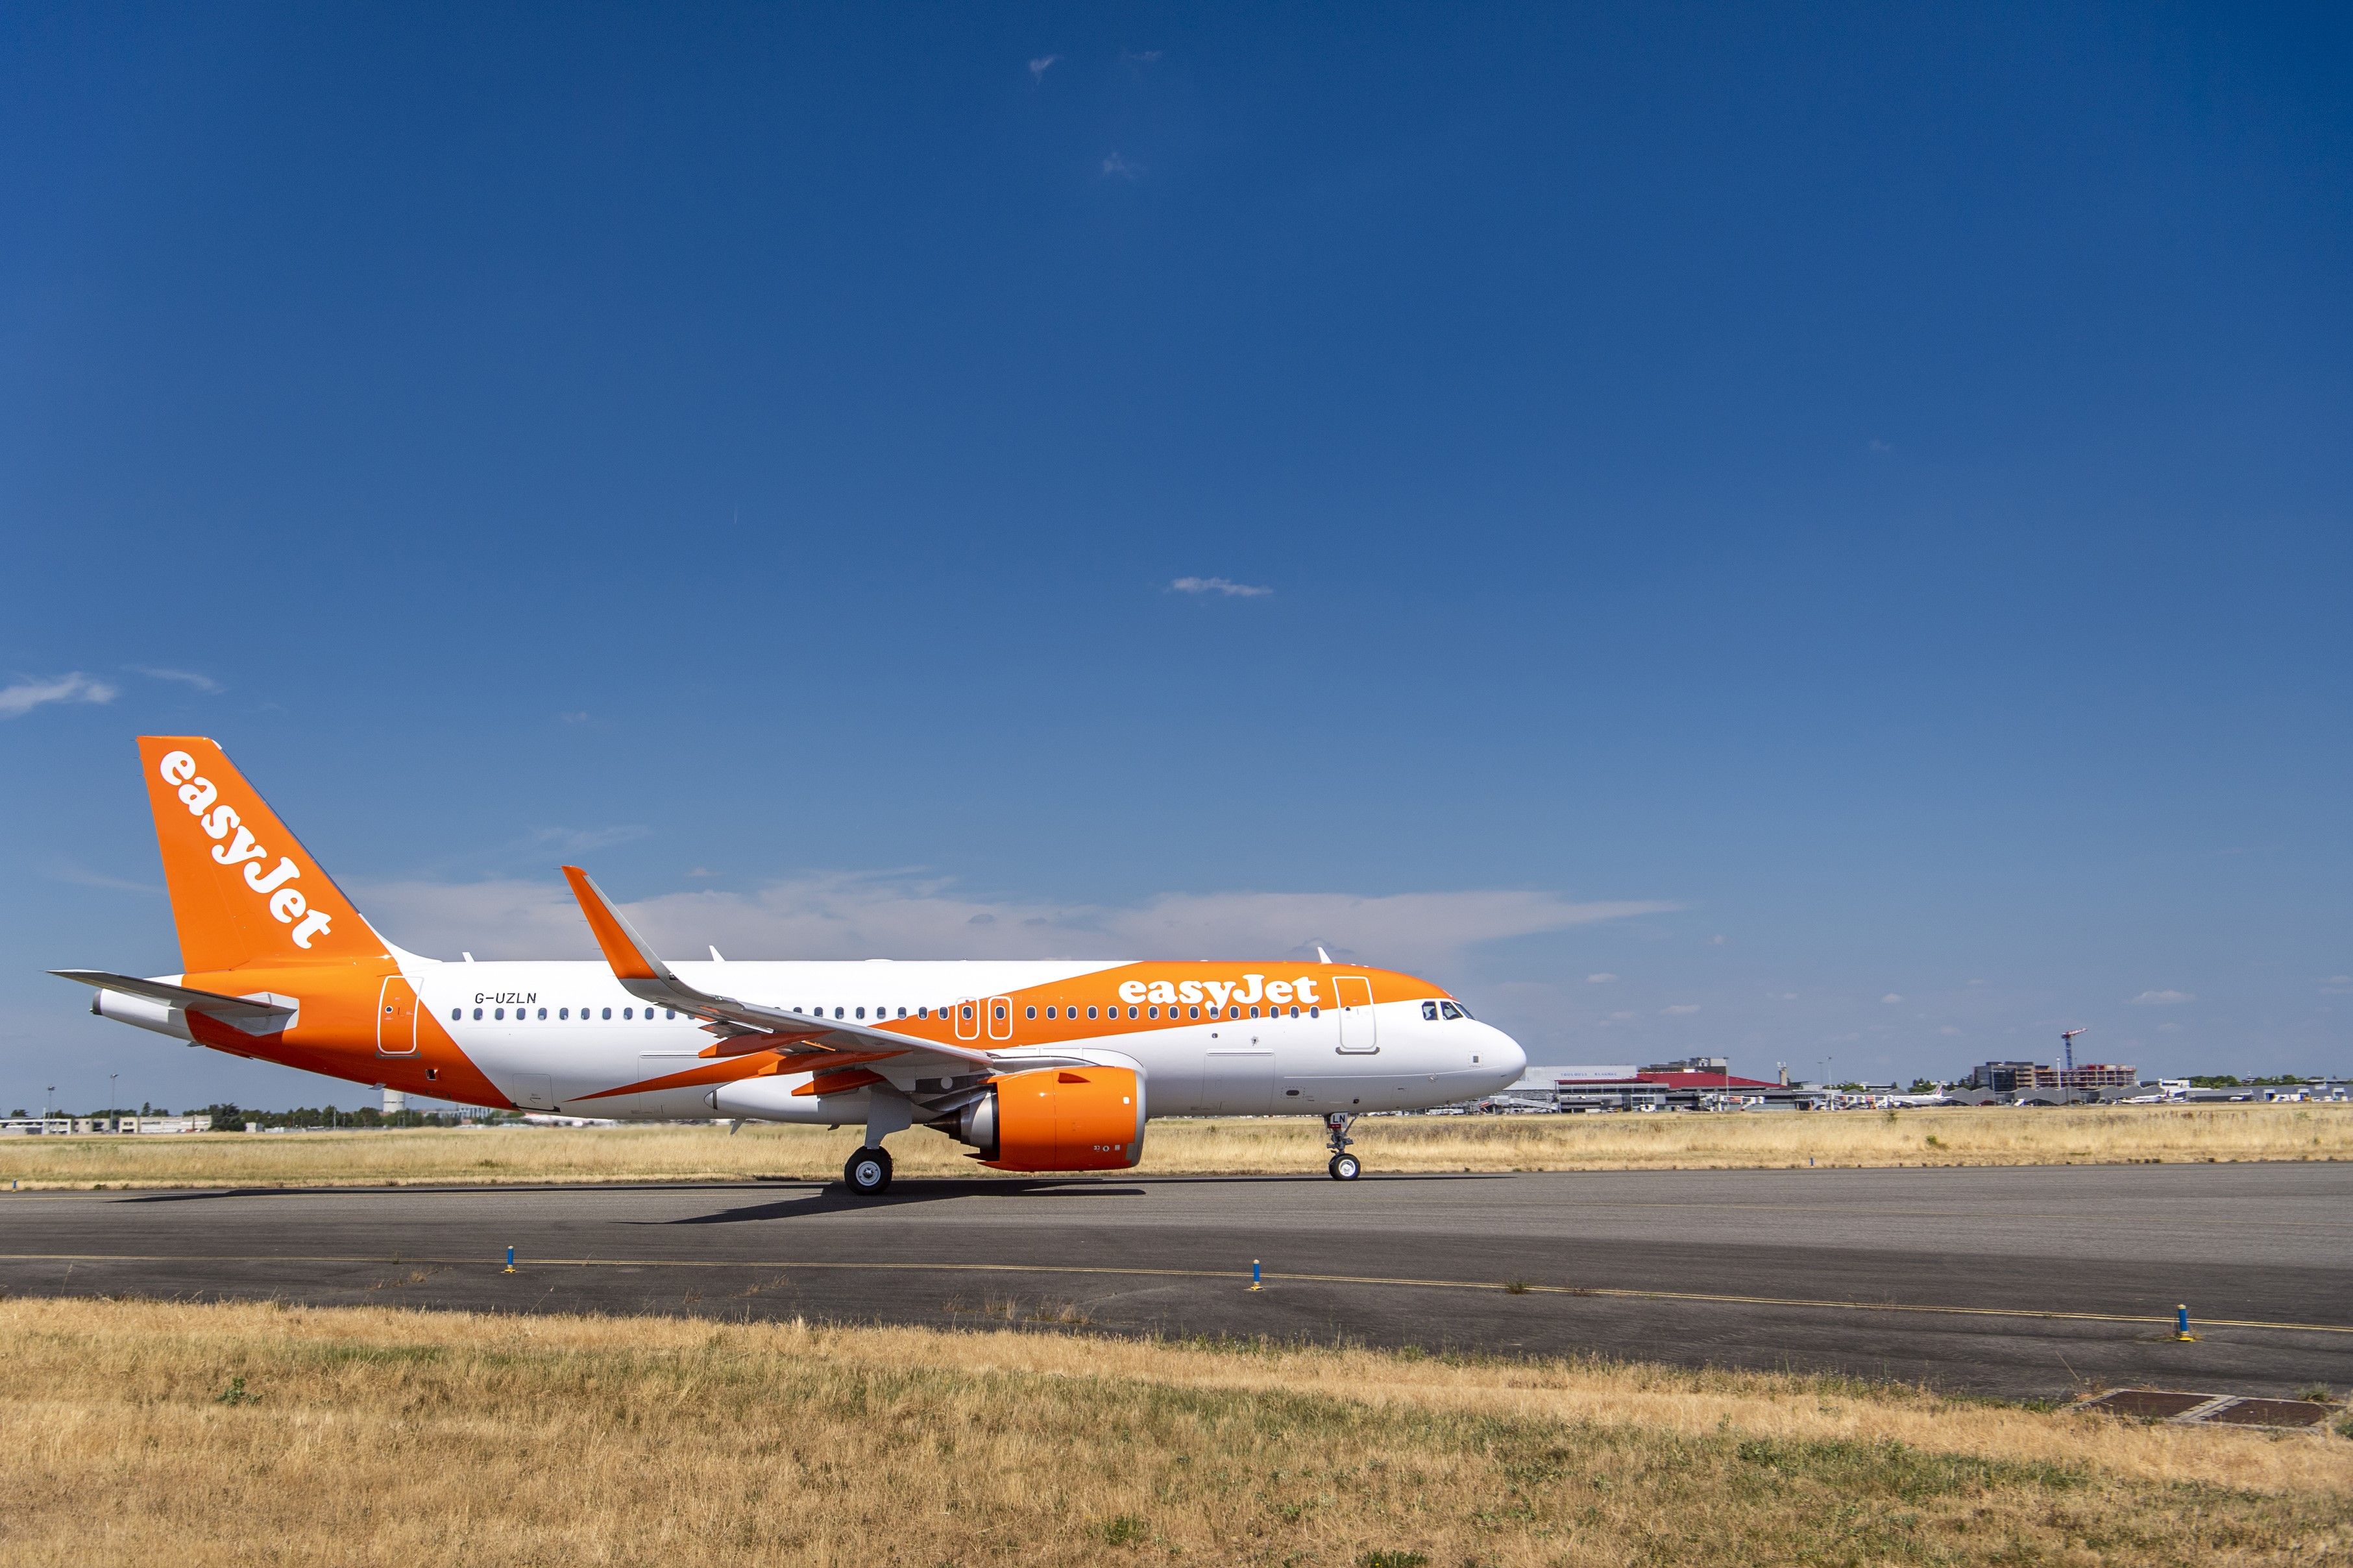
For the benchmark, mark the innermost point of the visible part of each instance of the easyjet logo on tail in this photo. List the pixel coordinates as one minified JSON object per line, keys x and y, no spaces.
{"x":236,"y":845}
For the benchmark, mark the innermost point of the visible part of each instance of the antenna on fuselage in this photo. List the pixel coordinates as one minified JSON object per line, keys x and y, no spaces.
{"x":1322,"y":956}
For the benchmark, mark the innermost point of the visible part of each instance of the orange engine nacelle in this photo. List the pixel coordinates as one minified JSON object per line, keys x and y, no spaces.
{"x":1058,"y":1119}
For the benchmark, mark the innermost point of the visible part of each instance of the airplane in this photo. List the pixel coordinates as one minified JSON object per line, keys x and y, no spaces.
{"x":1033,"y":1066}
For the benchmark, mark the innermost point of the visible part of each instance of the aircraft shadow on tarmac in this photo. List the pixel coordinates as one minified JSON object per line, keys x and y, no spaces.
{"x":835,"y":1198}
{"x":831,"y":1197}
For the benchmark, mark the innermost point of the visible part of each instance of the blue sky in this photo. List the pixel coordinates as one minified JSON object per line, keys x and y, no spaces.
{"x":1834,"y":518}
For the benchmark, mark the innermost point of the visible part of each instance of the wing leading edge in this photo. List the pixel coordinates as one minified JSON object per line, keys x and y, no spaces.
{"x":744,"y":1026}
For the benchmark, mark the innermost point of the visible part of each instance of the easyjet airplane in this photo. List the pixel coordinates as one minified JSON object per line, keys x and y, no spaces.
{"x":1036,"y":1066}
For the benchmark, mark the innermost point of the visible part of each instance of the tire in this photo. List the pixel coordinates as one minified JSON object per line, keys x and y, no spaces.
{"x":868,"y":1173}
{"x":1345,"y":1167}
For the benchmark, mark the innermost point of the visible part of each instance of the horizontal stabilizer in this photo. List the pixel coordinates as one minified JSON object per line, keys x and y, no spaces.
{"x":232,"y":1009}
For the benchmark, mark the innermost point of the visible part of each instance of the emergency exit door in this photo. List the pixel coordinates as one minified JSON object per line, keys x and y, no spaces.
{"x":395,"y":1018}
{"x":1358,"y":1032}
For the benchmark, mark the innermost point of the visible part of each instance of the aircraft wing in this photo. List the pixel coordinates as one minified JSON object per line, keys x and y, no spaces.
{"x":231,"y":1009}
{"x":743,"y":1026}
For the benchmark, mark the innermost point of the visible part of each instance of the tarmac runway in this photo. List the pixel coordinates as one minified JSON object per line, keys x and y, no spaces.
{"x":2013,"y":1281}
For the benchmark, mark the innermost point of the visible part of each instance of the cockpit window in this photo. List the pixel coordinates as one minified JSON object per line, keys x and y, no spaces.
{"x":1430,"y":1011}
{"x":1455,"y":1009}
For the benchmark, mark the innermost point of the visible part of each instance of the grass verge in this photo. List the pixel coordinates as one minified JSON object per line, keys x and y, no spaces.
{"x":2124,"y":1135}
{"x":259,"y":1434}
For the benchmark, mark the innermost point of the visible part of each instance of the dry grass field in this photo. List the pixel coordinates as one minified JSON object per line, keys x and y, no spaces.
{"x":2004,"y":1136}
{"x":147,"y":1432}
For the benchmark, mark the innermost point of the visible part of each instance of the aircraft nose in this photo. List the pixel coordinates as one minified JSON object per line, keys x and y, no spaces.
{"x":1509,"y":1059}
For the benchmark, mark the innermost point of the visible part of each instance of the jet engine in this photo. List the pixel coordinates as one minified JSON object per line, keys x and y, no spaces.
{"x":1055,"y":1119}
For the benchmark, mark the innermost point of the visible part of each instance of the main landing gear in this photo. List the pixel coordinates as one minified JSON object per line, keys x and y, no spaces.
{"x":1344,"y":1166}
{"x":869,"y":1172}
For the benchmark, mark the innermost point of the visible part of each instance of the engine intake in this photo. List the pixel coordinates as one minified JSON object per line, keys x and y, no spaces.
{"x":1057,"y":1119}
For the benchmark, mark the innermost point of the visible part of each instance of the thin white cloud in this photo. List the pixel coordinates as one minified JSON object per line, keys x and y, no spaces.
{"x":575,"y":716}
{"x":1890,"y":998}
{"x":1681,"y":1009}
{"x":582,"y":840}
{"x":28,"y":693}
{"x":1604,"y":978}
{"x":1948,"y":1030}
{"x":1226,"y":585}
{"x":1115,"y":166}
{"x":885,"y":916}
{"x":2336,"y":986}
{"x":1038,"y":67}
{"x":82,"y":877}
{"x":2163,"y":998}
{"x":204,"y":683}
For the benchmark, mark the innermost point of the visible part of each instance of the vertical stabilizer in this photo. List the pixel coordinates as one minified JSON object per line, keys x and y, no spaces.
{"x":243,"y":891}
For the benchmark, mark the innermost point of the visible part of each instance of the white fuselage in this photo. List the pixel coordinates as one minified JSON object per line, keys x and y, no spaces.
{"x":558,"y":1035}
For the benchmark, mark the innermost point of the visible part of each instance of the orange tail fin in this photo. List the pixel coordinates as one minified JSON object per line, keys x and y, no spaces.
{"x":244,"y":892}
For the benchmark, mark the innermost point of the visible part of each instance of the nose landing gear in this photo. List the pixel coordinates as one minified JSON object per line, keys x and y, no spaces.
{"x":1344,"y":1166}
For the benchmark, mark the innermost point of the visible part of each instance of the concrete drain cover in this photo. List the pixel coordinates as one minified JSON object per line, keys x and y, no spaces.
{"x":2147,"y":1404}
{"x":2199,"y":1409}
{"x":2271,"y":1412}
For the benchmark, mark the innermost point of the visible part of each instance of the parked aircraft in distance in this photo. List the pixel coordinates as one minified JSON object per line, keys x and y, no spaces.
{"x":1052,"y":1066}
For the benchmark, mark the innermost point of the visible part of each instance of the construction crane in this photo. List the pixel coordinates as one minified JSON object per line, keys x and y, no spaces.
{"x":2067,"y":1066}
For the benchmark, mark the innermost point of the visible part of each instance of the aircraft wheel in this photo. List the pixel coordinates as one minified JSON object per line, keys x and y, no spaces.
{"x":1346,"y":1168}
{"x":868,"y":1173}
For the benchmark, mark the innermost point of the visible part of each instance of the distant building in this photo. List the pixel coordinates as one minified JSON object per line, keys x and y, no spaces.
{"x":1692,"y":1083}
{"x":66,"y":1126}
{"x":2024,"y":1078}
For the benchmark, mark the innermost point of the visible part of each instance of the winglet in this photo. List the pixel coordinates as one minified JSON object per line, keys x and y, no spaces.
{"x":624,"y":948}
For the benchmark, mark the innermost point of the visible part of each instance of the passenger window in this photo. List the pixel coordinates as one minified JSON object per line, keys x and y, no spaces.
{"x":1311,"y":1012}
{"x":837,"y":1012}
{"x":1451,"y":1011}
{"x":1197,"y":1012}
{"x":1000,"y":1012}
{"x":1032,"y":1012}
{"x":500,"y":1014}
{"x":477,"y":1015}
{"x":670,"y":1012}
{"x":968,"y":1012}
{"x":542,"y":1013}
{"x":1090,"y":1012}
{"x":1253,"y":1012}
{"x":1430,"y":1011}
{"x":903,"y":1012}
{"x":1156,"y":1013}
{"x":1130,"y":1013}
{"x":454,"y":1014}
{"x":609,"y":1013}
{"x":861,"y":1012}
{"x":563,"y":1013}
